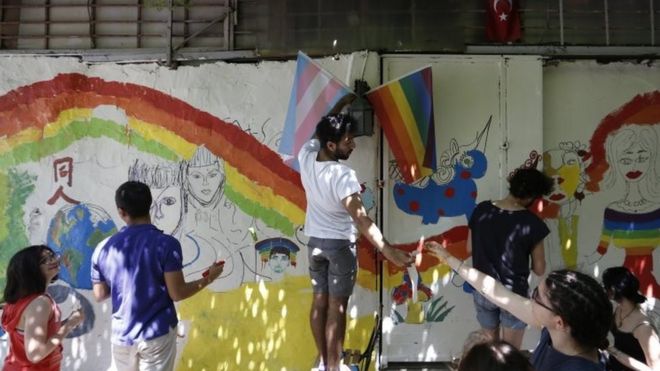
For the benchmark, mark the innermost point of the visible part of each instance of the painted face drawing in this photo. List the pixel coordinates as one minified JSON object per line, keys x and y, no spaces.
{"x":205,"y":181}
{"x":633,"y":162}
{"x":279,"y":262}
{"x":166,"y":208}
{"x":165,"y":182}
{"x":564,"y":166}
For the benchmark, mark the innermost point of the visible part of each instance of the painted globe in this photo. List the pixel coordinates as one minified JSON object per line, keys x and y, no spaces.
{"x":74,"y":232}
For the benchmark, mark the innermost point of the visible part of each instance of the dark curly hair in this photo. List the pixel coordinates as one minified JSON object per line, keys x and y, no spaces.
{"x":621,"y":283}
{"x":529,"y":183}
{"x":24,"y":276}
{"x":582,"y":303}
{"x":332,"y":128}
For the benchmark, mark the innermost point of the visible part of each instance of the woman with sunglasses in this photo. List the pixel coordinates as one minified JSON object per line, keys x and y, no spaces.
{"x":636,"y":345}
{"x":571,"y":308}
{"x":30,"y":316}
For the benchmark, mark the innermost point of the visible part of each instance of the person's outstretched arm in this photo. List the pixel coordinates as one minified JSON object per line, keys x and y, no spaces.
{"x":369,"y":229}
{"x":488,"y":286}
{"x":179,"y":289}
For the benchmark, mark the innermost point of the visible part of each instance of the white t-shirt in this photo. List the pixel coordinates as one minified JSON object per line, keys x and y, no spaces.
{"x":326,"y":183}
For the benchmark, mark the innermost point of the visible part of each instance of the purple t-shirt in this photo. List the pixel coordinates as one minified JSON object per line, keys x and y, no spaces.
{"x":132,"y":263}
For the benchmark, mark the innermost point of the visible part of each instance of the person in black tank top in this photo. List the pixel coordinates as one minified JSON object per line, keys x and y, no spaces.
{"x":636,"y":344}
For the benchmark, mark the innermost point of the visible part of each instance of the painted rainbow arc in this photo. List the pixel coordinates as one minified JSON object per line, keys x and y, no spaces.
{"x":45,"y":117}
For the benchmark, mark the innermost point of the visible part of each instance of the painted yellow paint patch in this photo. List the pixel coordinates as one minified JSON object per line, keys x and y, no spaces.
{"x":28,"y":135}
{"x":159,"y":134}
{"x":65,"y":118}
{"x":260,"y":326}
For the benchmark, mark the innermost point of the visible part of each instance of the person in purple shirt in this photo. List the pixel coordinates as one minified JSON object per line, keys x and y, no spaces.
{"x":139,"y":268}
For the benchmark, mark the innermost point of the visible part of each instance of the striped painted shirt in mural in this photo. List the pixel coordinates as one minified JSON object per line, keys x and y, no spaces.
{"x":630,"y":230}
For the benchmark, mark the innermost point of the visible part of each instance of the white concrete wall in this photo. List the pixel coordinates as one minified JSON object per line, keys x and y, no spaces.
{"x":244,"y":322}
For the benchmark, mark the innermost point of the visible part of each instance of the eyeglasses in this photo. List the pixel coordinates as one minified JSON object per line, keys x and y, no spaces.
{"x":49,"y":258}
{"x":537,"y":300}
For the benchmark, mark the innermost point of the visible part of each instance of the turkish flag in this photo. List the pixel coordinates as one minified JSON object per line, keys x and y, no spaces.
{"x":502,"y":20}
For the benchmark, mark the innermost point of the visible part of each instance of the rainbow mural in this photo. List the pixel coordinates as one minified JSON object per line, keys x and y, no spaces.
{"x":45,"y":117}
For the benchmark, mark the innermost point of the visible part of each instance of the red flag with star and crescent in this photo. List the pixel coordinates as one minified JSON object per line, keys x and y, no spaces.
{"x":502,"y":21}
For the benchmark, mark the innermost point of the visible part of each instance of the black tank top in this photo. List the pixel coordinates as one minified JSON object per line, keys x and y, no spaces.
{"x":627,"y":343}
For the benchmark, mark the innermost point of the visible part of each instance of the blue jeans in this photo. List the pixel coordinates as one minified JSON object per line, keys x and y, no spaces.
{"x":490,"y":316}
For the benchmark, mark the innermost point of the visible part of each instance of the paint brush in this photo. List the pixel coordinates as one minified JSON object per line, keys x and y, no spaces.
{"x":253,"y":233}
{"x":418,"y":252}
{"x":218,"y":263}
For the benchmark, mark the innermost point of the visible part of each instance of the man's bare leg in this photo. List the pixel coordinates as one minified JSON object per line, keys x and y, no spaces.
{"x":513,"y":336}
{"x":492,"y":333}
{"x":335,"y":329}
{"x":317,"y":320}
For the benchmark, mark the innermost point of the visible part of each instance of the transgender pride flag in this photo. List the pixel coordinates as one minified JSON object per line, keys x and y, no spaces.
{"x":314,"y":94}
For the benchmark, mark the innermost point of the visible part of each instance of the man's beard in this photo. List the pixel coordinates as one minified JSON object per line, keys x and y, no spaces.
{"x":342,"y":155}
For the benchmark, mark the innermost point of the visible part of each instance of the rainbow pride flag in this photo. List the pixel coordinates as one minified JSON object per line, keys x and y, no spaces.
{"x":314,"y":94}
{"x":404,"y":108}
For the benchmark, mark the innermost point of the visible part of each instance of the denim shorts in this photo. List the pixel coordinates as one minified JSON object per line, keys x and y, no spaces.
{"x":332,"y":266}
{"x":490,"y":316}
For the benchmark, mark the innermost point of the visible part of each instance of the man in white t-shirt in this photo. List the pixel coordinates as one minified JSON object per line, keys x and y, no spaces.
{"x":334,"y":216}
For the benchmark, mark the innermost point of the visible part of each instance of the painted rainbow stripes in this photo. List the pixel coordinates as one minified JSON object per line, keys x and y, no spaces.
{"x":404,"y":108}
{"x":629,"y":230}
{"x":43,"y":118}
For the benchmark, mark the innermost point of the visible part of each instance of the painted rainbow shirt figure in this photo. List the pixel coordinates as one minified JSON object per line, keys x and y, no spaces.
{"x":625,"y":149}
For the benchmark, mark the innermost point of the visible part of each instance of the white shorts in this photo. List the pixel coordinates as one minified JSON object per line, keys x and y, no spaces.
{"x":156,"y":354}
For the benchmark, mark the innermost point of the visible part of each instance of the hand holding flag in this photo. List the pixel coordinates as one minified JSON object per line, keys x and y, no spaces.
{"x":314,"y":94}
{"x":404,"y":108}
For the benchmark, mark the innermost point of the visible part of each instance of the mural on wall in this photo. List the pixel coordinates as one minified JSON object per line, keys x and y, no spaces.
{"x":212,"y":183}
{"x":277,"y":254}
{"x":413,"y":301}
{"x":624,"y":147}
{"x":566,"y":165}
{"x":450,"y":190}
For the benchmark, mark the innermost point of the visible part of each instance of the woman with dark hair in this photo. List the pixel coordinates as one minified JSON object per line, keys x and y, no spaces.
{"x":30,"y":316}
{"x":506,"y":240}
{"x":494,"y":356}
{"x":636,"y":345}
{"x":571,"y":308}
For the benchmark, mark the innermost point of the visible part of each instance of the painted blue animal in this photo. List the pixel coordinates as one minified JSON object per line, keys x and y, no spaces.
{"x":451,"y":190}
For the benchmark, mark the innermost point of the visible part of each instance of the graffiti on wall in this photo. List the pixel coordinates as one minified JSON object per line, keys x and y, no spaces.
{"x":70,"y":141}
{"x":624,"y":147}
{"x":451,"y":189}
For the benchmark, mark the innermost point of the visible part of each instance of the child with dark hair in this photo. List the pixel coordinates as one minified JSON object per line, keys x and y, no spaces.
{"x":504,"y":236}
{"x":494,"y":356}
{"x":636,"y":345}
{"x":30,"y":316}
{"x":571,"y":308}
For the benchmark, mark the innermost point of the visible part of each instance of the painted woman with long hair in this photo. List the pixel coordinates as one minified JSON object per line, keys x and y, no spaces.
{"x":30,"y":316}
{"x":624,"y":149}
{"x":633,"y":222}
